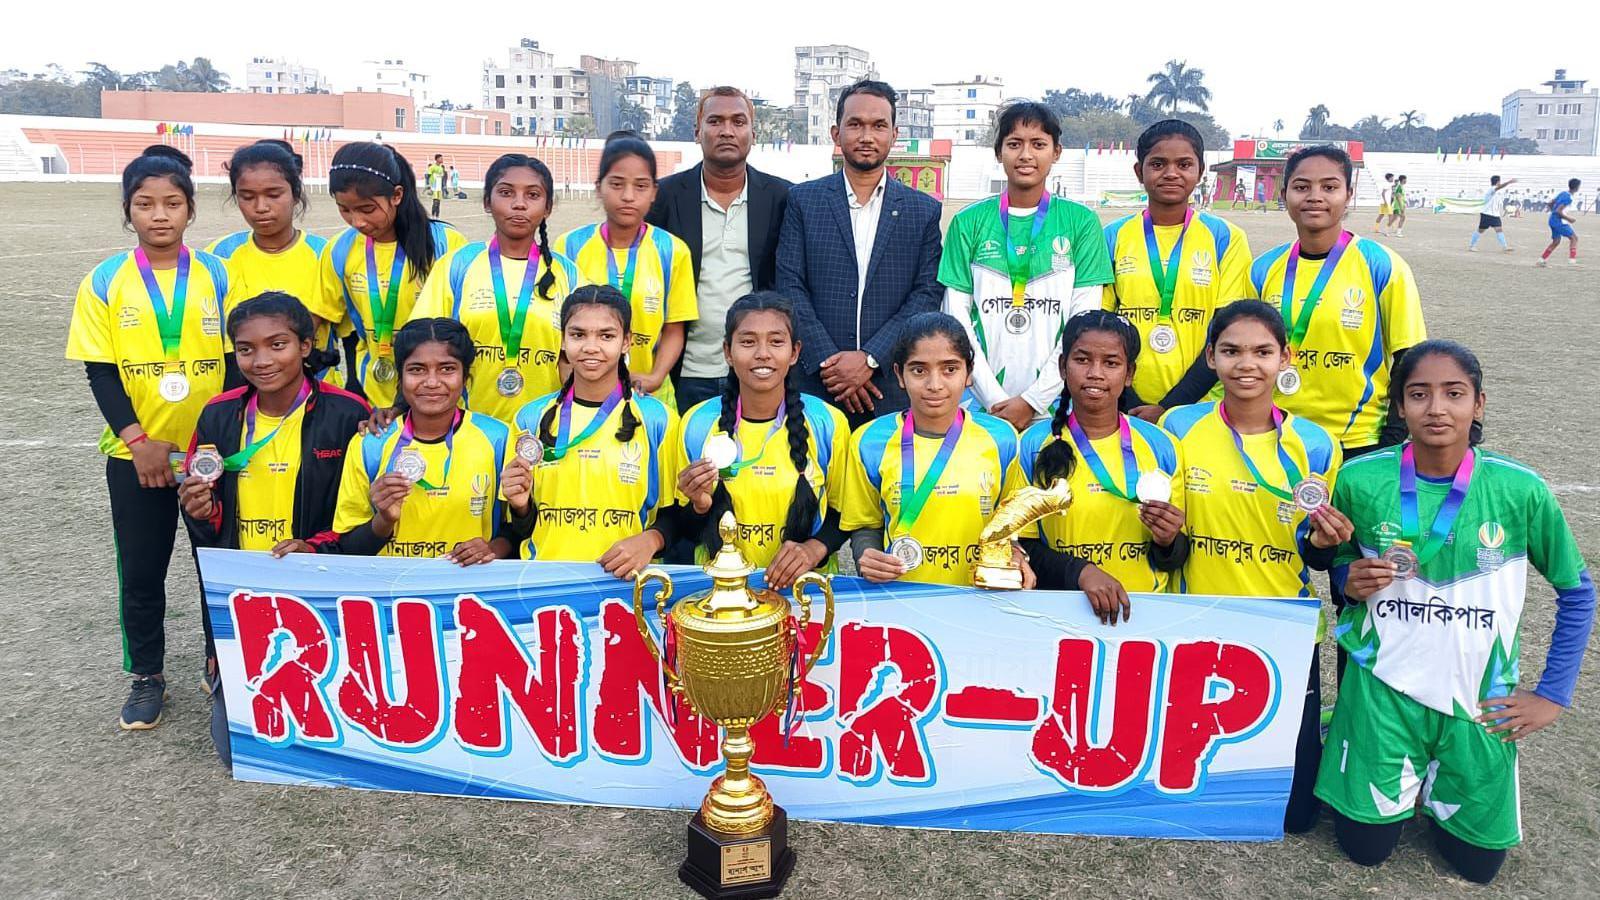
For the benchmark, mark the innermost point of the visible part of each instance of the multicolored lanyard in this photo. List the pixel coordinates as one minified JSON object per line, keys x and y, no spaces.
{"x":1130,"y":466}
{"x":913,"y":499}
{"x":740,"y":463}
{"x":1018,"y":261}
{"x":1445,"y":518}
{"x":511,"y":323}
{"x":1290,"y":470}
{"x":407,"y":436}
{"x":169,"y":322}
{"x":563,"y":445}
{"x":383,"y":312}
{"x":237,"y":461}
{"x":1302,"y":323}
{"x":1166,"y":276}
{"x":624,"y":282}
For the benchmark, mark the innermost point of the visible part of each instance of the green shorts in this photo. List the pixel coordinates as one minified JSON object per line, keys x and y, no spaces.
{"x":1384,"y":750}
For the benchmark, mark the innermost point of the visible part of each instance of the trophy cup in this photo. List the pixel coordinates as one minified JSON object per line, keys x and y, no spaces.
{"x":736,"y":649}
{"x":995,"y":570}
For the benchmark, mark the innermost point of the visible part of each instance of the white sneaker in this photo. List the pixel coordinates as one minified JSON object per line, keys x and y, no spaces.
{"x":1572,"y":260}
{"x":1399,"y":232}
{"x":1541,"y":262}
{"x":1472,"y":248}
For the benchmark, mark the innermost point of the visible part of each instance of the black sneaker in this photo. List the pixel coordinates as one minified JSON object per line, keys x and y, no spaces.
{"x":143,"y":709}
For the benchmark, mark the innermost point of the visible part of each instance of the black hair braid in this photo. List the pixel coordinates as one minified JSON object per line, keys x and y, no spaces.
{"x":547,"y":435}
{"x":1056,"y":459}
{"x":630,"y":422}
{"x":319,"y":359}
{"x":721,"y":500}
{"x":548,"y":279}
{"x":803,"y":507}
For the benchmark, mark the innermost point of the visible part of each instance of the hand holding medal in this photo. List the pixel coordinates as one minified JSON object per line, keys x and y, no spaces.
{"x":1165,"y":521}
{"x":516,"y":482}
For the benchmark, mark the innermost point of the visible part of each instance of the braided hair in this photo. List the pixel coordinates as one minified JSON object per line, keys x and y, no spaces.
{"x":497,"y":170}
{"x":803,"y":507}
{"x":1056,"y":459}
{"x":602,"y":295}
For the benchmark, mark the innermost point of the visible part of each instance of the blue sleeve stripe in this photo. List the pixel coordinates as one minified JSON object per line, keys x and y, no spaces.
{"x":697,"y":426}
{"x":820,"y":421}
{"x":1111,"y":231}
{"x":341,"y":259}
{"x":372,"y":452}
{"x":1221,"y":235}
{"x":227,"y":245}
{"x":1180,"y":420}
{"x":1160,"y":443}
{"x":315,"y":241}
{"x":459,"y":264}
{"x":664,"y":242}
{"x":218,"y":271}
{"x":527,"y":418}
{"x":874,"y":443}
{"x":1262,"y":267}
{"x":1033,"y":440}
{"x":654,"y":414}
{"x":1317,"y":441}
{"x":1379,"y":266}
{"x":104,"y":274}
{"x":1004,"y":437}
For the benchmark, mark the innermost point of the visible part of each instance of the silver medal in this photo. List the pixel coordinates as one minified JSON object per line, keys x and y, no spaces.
{"x":720,"y":451}
{"x":1404,"y":559}
{"x":410,"y":465}
{"x":205,"y":464}
{"x":509,"y":383}
{"x":1289,"y":381}
{"x":907,"y":550}
{"x":1311,"y":494}
{"x":1153,"y":487}
{"x":529,"y":449}
{"x":1018,"y":320}
{"x":174,"y":387}
{"x":1163,"y":338}
{"x":383,"y":369}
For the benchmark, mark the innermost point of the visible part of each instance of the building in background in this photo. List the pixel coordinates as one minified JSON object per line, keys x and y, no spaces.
{"x":393,"y":76}
{"x":539,"y":96}
{"x":820,"y":73}
{"x":1562,"y":120}
{"x":914,"y":113}
{"x":964,"y":110}
{"x":655,"y":96}
{"x":452,"y":120}
{"x":264,"y":75}
{"x":607,"y":86}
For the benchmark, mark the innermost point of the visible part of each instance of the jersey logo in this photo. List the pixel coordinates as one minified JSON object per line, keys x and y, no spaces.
{"x":210,"y":320}
{"x":480,"y":495}
{"x":1200,"y":268}
{"x":986,"y":493}
{"x":1061,"y":257}
{"x":628,"y":469}
{"x":1490,"y":557}
{"x":1354,"y":312}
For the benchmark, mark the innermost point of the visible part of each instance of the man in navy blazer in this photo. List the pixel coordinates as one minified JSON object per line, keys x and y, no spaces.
{"x":858,"y":256}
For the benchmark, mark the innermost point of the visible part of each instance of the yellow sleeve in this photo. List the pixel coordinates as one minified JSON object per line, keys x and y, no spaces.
{"x":1015,"y":481}
{"x":859,"y":503}
{"x":328,"y":302}
{"x":1401,"y":307}
{"x":1108,"y":297}
{"x":453,"y":241}
{"x":666,"y":467}
{"x":1233,"y":270}
{"x":677,"y":456}
{"x":433,"y":301}
{"x":1334,"y":465}
{"x":230,"y":296}
{"x":838,"y":460}
{"x":89,"y":334}
{"x":682,"y":305}
{"x":355,"y":501}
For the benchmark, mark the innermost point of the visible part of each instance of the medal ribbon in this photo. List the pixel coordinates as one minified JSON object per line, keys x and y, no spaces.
{"x":912,"y":500}
{"x":237,"y":461}
{"x":1290,"y":470}
{"x":1019,"y":265}
{"x":1166,"y":276}
{"x":1302,"y":323}
{"x":1130,"y":466}
{"x":406,"y":437}
{"x":740,"y":463}
{"x":511,"y":324}
{"x":563,"y":445}
{"x":1445,"y":518}
{"x":624,"y":283}
{"x":383,"y":311}
{"x":169,"y":322}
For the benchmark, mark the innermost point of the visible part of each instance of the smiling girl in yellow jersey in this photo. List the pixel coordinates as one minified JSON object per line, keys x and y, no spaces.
{"x":651,"y":267}
{"x":1174,"y":267}
{"x":429,"y":484}
{"x":788,"y":521}
{"x":272,"y":254}
{"x":1350,"y":305}
{"x":1124,"y":531}
{"x":507,"y":292}
{"x":591,"y":463}
{"x":925,"y":481}
{"x":373,"y":270}
{"x":147,"y":325}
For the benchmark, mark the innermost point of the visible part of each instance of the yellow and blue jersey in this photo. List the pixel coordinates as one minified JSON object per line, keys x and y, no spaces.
{"x":1369,"y":309}
{"x":1101,"y":527}
{"x":973,"y":482}
{"x":1243,"y":540}
{"x":461,"y":287}
{"x":267,"y":482}
{"x":1213,"y":270}
{"x":114,"y":322}
{"x":663,"y":286}
{"x":342,"y":294}
{"x":464,"y":502}
{"x":603,"y":490}
{"x":762,"y":491}
{"x":294,"y":270}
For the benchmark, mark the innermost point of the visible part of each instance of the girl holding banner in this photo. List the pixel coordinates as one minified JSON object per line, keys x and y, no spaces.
{"x":927,"y":480}
{"x":1124,"y":531}
{"x":508,"y":292}
{"x":591,"y":464}
{"x":1257,"y":512}
{"x":784,"y":491}
{"x":1431,"y":706}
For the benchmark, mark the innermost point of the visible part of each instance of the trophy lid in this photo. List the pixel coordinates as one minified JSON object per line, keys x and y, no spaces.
{"x":729,"y":564}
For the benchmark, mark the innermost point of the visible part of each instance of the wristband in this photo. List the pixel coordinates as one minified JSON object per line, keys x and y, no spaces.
{"x":142,"y":436}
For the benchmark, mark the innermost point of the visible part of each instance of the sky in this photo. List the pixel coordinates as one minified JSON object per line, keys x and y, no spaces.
{"x":1258,"y":72}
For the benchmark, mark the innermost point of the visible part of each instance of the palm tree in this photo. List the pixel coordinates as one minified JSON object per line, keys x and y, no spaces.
{"x":1277,"y":127}
{"x":1410,"y":119}
{"x":204,"y":77}
{"x":1177,"y":84}
{"x":1316,"y":120}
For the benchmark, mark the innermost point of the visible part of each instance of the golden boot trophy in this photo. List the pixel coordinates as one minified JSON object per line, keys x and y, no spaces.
{"x":996,"y":570}
{"x":735,"y":646}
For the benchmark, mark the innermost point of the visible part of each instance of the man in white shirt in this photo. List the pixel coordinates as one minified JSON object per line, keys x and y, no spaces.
{"x":1494,"y":207}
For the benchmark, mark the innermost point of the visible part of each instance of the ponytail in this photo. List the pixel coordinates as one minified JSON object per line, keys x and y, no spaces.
{"x":1056,"y":459}
{"x":548,"y":279}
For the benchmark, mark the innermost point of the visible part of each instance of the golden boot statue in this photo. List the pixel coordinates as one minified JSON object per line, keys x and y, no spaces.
{"x":996,"y":569}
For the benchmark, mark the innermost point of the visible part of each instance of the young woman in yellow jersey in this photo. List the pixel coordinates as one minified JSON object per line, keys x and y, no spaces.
{"x":591,"y":464}
{"x":507,"y":291}
{"x":924,"y":482}
{"x":783,"y":490}
{"x":1124,"y":531}
{"x":147,"y":325}
{"x":428,"y":485}
{"x":272,"y":254}
{"x":1257,"y":510}
{"x":373,"y":270}
{"x":651,"y":267}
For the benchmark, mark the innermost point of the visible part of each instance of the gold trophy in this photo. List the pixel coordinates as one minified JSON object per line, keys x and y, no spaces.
{"x":996,"y":571}
{"x":735,"y":647}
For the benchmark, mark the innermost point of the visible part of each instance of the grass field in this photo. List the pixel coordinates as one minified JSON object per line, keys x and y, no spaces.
{"x":90,"y":811}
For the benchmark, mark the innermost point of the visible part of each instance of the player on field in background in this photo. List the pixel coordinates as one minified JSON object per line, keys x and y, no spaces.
{"x":1561,"y":219}
{"x":1494,"y":207}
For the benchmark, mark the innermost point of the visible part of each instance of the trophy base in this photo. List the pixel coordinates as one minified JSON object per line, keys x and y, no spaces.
{"x":997,"y":578}
{"x":745,"y":866}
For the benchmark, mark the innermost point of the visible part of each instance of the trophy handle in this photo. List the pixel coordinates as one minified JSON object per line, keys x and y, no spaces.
{"x":800,"y":598}
{"x":639,"y":581}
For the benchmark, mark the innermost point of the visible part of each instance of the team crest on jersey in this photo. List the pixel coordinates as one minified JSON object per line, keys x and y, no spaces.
{"x":1354,"y":312}
{"x":480,"y":495}
{"x":1200,"y":268}
{"x":628,"y":470}
{"x":1491,"y":535}
{"x":1061,"y":255}
{"x":989,"y":249}
{"x":653,"y":291}
{"x":210,"y":318}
